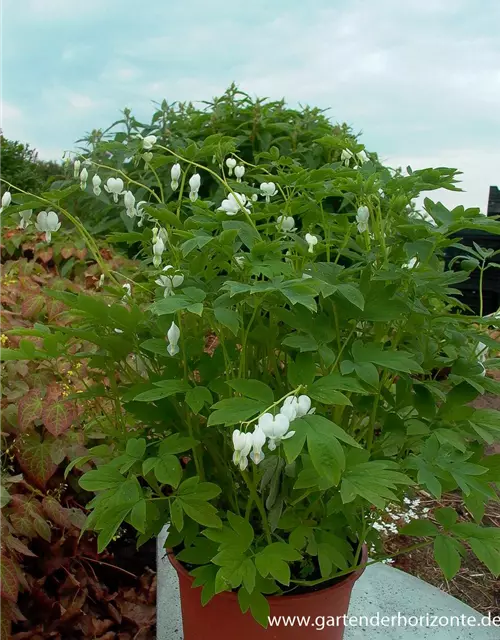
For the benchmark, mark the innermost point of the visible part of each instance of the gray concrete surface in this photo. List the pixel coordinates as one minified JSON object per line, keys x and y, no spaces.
{"x":381,"y":591}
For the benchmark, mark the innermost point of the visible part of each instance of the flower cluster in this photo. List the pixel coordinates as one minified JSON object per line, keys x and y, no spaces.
{"x":386,"y":524}
{"x":160,"y":237}
{"x":271,"y":429}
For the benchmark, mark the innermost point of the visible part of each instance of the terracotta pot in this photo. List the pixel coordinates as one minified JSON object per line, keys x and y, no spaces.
{"x":222,"y":617}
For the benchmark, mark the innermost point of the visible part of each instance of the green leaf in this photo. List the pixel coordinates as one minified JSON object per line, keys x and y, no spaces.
{"x":447,"y":556}
{"x":253,"y":389}
{"x":351,"y":293}
{"x":324,"y":426}
{"x":446,"y":516}
{"x":201,"y":512}
{"x":338,"y":382}
{"x":375,"y":481}
{"x":302,"y":370}
{"x":234,"y":410}
{"x":326,"y":454}
{"x":176,"y":514}
{"x":394,"y":360}
{"x":201,"y":552}
{"x":197,"y":397}
{"x":257,"y":603}
{"x":156,"y":345}
{"x":106,"y":477}
{"x":243,"y":529}
{"x":136,"y":448}
{"x":325,"y":394}
{"x":205,"y":576}
{"x":273,"y":561}
{"x":168,"y":470}
{"x":165,"y":389}
{"x":138,"y":516}
{"x":420,"y":528}
{"x":175,"y":444}
{"x":228,"y":318}
{"x":300,"y":342}
{"x":368,"y":373}
{"x":488,"y":552}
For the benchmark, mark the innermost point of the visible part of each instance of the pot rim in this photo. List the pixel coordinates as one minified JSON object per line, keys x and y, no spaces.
{"x":347,"y":580}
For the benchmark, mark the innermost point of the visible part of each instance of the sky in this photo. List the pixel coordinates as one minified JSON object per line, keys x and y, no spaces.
{"x":419,"y":78}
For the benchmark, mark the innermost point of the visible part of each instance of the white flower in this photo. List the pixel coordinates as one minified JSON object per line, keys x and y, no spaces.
{"x":362,"y":217}
{"x":289,"y":408}
{"x":147,"y":156}
{"x":268,"y":189}
{"x":84,"y":176}
{"x":286,"y":224}
{"x":24,"y":218}
{"x":148,"y":142}
{"x":275,"y":428}
{"x":128,"y":291}
{"x":255,"y":197}
{"x":169,"y":283}
{"x":242,"y":443}
{"x":230,"y":164}
{"x":6,"y":200}
{"x":304,"y":406}
{"x":173,"y":335}
{"x":362,"y":157}
{"x":258,"y":441}
{"x":115,"y":187}
{"x":175,"y":174}
{"x":158,"y":249}
{"x":239,"y":172}
{"x":240,"y":260}
{"x":129,"y":201}
{"x":96,"y":184}
{"x":48,"y":222}
{"x":162,"y":233}
{"x":194,"y":186}
{"x":234,"y":203}
{"x":76,"y":168}
{"x":346,"y":156}
{"x":141,"y":213}
{"x":311,"y":241}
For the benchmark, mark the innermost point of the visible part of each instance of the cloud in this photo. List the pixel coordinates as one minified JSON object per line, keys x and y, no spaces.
{"x":420,"y":79}
{"x":81,"y":101}
{"x":59,"y":9}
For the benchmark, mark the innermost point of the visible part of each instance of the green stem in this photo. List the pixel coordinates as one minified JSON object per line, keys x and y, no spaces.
{"x":181,"y":192}
{"x":214,"y":174}
{"x":481,"y":301}
{"x":242,"y":372}
{"x":275,"y":404}
{"x":162,"y":194}
{"x":127,"y":178}
{"x":260,"y":506}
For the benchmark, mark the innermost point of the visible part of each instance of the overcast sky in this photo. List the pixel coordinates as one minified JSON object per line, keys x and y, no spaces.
{"x":419,"y":78}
